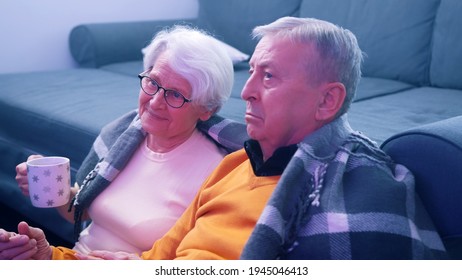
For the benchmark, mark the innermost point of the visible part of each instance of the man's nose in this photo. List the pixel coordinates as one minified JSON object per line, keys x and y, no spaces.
{"x":249,"y":89}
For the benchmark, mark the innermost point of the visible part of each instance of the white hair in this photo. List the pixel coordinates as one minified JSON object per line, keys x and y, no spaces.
{"x":198,"y":58}
{"x":339,"y":57}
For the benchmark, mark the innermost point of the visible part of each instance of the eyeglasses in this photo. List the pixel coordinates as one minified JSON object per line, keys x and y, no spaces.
{"x":151,"y":87}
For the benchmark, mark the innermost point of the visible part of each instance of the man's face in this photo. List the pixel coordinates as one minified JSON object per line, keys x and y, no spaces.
{"x":281,"y":100}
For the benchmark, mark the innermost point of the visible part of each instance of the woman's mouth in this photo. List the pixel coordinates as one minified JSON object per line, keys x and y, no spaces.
{"x":153,"y":114}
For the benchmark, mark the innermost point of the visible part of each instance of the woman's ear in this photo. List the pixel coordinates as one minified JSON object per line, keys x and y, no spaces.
{"x":332,"y":98}
{"x":206,"y":114}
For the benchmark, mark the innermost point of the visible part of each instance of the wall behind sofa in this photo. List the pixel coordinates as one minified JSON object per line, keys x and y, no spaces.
{"x":34,"y":34}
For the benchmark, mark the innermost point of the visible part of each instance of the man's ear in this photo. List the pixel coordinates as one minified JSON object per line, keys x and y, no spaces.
{"x":332,"y":98}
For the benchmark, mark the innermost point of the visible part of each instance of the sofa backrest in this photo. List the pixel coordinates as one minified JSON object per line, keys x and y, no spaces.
{"x":394,"y":34}
{"x":232,"y":21}
{"x":97,"y":44}
{"x":446,"y":64}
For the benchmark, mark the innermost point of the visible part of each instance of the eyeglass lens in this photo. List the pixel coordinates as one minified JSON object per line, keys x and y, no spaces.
{"x":173,"y":98}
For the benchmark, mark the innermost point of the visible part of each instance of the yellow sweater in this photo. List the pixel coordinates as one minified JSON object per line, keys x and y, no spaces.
{"x":220,"y":219}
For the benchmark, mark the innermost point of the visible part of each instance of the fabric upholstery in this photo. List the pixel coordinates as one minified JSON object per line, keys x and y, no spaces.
{"x":382,"y":117}
{"x":130,"y":68}
{"x":370,"y":87}
{"x":67,"y":106}
{"x":433,"y":153}
{"x":394,"y":34}
{"x":95,"y":45}
{"x":232,"y":21}
{"x":446,"y":48}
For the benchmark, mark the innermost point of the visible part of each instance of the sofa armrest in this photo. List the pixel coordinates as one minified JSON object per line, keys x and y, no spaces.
{"x":433,"y":153}
{"x":96,"y":44}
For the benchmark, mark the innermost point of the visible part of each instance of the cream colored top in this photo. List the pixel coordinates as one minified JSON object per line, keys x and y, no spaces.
{"x":148,"y":196}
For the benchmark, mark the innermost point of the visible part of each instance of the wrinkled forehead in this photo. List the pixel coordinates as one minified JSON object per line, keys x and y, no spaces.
{"x":282,"y":51}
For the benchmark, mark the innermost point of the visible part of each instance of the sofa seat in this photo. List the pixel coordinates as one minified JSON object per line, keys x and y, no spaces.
{"x":68,"y":106}
{"x":129,"y":68}
{"x":382,"y":117}
{"x":371,"y":87}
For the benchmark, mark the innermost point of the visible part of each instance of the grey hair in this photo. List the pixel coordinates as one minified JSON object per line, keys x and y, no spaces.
{"x":339,"y":56}
{"x":197,"y":57}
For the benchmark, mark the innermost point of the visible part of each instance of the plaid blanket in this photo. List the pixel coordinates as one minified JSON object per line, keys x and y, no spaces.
{"x":341,"y":197}
{"x":118,"y":141}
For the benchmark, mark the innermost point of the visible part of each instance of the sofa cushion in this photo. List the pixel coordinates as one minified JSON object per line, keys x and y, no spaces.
{"x":129,"y":68}
{"x":382,"y":117}
{"x":232,"y":21}
{"x":235,"y":54}
{"x":394,"y":34}
{"x":447,"y":45}
{"x":67,"y":106}
{"x":370,"y":87}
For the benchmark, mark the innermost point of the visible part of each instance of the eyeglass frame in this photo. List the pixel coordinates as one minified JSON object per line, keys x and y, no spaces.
{"x":143,"y":75}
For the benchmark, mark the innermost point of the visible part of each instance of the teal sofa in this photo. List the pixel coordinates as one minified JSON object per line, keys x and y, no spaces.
{"x":412,"y":77}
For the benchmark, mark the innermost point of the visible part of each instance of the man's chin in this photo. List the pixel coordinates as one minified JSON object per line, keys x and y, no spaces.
{"x":253,"y":131}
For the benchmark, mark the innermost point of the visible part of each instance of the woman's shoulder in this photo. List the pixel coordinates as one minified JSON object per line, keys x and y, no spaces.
{"x":120,"y":124}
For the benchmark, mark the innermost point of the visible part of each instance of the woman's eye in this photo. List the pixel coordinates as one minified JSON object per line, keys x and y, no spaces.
{"x":176,"y":95}
{"x":152,"y":84}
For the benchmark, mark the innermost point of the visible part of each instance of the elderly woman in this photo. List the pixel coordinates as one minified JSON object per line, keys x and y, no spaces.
{"x":145,"y":168}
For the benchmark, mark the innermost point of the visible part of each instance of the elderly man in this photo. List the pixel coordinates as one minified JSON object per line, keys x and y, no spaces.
{"x":306,"y":186}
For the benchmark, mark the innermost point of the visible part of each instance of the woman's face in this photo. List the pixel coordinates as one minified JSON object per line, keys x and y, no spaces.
{"x":163,"y":123}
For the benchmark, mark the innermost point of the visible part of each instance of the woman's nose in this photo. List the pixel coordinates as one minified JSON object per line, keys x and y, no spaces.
{"x":158,"y":98}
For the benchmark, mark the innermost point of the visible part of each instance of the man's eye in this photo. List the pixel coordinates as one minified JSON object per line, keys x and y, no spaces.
{"x":268,"y":75}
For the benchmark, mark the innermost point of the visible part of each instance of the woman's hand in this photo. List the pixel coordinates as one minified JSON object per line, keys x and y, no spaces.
{"x":28,"y":243}
{"x":21,"y":179}
{"x":44,"y":251}
{"x":21,"y":175}
{"x":16,"y":247}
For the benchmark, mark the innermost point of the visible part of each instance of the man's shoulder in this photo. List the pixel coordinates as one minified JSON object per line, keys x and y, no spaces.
{"x":234,"y":159}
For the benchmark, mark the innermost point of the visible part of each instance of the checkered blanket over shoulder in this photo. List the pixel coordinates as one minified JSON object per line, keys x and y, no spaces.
{"x":341,"y":197}
{"x":117,"y":142}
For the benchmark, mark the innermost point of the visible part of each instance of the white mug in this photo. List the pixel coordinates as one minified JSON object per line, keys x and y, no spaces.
{"x":49,"y":181}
